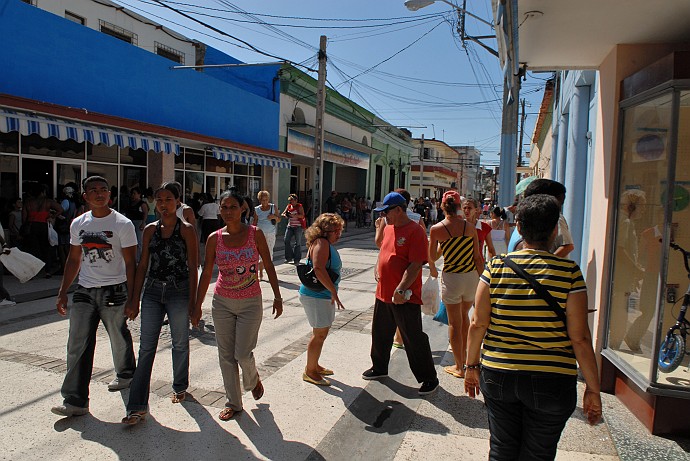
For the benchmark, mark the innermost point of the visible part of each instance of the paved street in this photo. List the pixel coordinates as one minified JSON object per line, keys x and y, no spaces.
{"x":353,"y":419}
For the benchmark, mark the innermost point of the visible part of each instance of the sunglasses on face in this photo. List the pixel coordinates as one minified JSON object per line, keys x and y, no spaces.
{"x":389,"y":210}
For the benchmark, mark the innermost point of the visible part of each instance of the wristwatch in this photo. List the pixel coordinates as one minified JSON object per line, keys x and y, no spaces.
{"x":406,"y":294}
{"x":471,"y":367}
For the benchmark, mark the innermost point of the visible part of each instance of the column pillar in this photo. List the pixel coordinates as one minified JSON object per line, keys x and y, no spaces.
{"x":575,"y":171}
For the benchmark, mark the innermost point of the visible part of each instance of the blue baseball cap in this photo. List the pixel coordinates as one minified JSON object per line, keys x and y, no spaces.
{"x":391,"y":201}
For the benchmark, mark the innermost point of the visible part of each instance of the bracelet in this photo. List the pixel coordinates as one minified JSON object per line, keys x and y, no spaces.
{"x":277,"y":299}
{"x":476,"y":366}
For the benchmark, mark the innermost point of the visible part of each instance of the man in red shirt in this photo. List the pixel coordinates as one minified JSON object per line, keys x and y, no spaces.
{"x":399,"y":296}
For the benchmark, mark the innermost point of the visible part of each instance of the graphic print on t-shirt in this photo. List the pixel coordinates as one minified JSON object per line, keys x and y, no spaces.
{"x":237,"y":276}
{"x":96,"y":245}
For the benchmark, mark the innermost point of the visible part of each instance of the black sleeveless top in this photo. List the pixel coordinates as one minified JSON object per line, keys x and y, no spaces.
{"x":168,"y":256}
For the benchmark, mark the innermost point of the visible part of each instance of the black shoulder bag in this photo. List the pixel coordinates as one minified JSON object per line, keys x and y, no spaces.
{"x":308,"y":277}
{"x":538,"y":287}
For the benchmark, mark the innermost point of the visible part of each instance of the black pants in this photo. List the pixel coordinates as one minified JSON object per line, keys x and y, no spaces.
{"x":407,"y":317}
{"x":527,"y":412}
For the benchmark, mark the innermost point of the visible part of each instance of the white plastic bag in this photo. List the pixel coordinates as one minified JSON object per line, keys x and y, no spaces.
{"x":52,"y":236}
{"x":22,"y":265}
{"x":430,"y":296}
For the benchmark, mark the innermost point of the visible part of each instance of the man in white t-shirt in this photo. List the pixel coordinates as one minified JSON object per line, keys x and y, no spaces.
{"x":103,"y":246}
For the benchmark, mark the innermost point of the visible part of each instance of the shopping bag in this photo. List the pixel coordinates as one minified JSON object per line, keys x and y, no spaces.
{"x":441,"y":315}
{"x":22,"y":265}
{"x":430,"y":296}
{"x":52,"y":236}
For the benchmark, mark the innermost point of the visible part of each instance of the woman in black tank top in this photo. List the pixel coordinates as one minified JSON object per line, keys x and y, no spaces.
{"x":170,"y":250}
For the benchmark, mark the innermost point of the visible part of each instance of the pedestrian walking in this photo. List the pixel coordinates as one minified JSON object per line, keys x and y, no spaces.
{"x":184,"y":211}
{"x":500,"y":230}
{"x":527,"y":366}
{"x":103,"y":249}
{"x":486,"y":245}
{"x":236,"y":307}
{"x":456,"y":239}
{"x":35,"y":214}
{"x":136,"y":211}
{"x":5,"y":298}
{"x":320,"y":306}
{"x":266,"y":218}
{"x":294,"y":212}
{"x":563,"y":244}
{"x":169,"y":254}
{"x":403,"y":252}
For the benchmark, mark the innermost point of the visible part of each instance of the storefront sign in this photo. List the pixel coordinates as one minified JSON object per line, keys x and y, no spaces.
{"x":303,"y":144}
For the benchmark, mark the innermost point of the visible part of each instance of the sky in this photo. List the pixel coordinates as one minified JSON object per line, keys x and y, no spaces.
{"x":409,"y":68}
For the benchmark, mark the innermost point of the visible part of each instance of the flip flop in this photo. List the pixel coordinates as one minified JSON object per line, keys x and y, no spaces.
{"x":451,"y":371}
{"x":326,"y":372}
{"x":227,"y":413}
{"x":321,"y":382}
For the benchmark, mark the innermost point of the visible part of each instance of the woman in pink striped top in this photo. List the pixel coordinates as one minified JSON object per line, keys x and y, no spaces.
{"x":236,"y":307}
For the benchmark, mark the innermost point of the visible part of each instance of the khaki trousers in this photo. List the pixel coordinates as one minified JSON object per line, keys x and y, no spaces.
{"x":237,"y":323}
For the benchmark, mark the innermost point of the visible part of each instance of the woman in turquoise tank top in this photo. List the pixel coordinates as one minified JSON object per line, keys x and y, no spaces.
{"x":457,"y":241}
{"x":320,"y":305}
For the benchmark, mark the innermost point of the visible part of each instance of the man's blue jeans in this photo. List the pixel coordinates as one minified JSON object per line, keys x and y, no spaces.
{"x":527,"y":412}
{"x":161,"y":298}
{"x":89,"y":307}
{"x":293,"y":252}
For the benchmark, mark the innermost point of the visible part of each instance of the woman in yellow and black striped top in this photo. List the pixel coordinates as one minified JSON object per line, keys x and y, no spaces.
{"x":528,"y":358}
{"x":462,"y":264}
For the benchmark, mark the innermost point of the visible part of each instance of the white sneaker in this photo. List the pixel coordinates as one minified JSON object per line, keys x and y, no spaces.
{"x":69,"y":410}
{"x":119,"y":383}
{"x":7,"y":302}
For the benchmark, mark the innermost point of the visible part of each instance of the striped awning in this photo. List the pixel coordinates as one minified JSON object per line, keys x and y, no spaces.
{"x":243,"y":156}
{"x":46,"y":126}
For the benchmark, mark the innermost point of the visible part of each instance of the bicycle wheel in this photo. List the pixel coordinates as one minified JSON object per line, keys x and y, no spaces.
{"x":671,"y":352}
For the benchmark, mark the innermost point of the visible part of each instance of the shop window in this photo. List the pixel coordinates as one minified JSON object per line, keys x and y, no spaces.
{"x":52,"y":147}
{"x":101,"y":153}
{"x":9,"y":142}
{"x":193,"y":184}
{"x":241,"y":168}
{"x":134,"y":156}
{"x":179,"y":177}
{"x":9,"y":179}
{"x":193,"y":160}
{"x":648,"y":278}
{"x":676,"y":276}
{"x":639,"y":226}
{"x":213,"y":165}
{"x":109,"y":172}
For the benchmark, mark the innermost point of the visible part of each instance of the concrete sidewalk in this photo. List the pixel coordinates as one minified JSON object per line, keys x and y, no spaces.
{"x":353,"y":419}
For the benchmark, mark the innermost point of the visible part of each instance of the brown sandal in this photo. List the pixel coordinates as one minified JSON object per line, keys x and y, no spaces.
{"x":258,"y":391}
{"x":178,"y":397}
{"x":227,"y":413}
{"x":134,"y":417}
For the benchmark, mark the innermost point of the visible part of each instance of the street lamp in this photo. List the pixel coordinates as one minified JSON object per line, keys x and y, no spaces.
{"x":414,"y":5}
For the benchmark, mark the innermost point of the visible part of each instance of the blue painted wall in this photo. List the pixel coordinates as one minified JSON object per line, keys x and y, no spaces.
{"x":260,"y":80}
{"x":48,"y":58}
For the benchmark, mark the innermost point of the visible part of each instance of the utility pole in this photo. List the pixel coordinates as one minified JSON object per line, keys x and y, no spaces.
{"x":522,"y":132}
{"x":421,"y":166}
{"x":316,"y":195}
